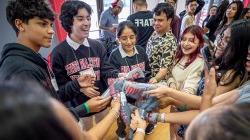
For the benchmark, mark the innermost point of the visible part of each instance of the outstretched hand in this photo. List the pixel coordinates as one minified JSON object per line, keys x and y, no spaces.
{"x":209,"y":90}
{"x":98,"y":103}
{"x":116,"y":104}
{"x":153,"y":81}
{"x":158,"y":92}
{"x":136,"y":121}
{"x":90,"y":91}
{"x":210,"y":83}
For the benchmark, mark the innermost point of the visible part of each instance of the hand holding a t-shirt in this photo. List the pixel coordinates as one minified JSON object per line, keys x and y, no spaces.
{"x":98,"y":103}
{"x":90,"y":91}
{"x":86,"y":81}
{"x":122,"y":75}
{"x":153,"y":80}
{"x":112,"y":29}
{"x":137,"y":121}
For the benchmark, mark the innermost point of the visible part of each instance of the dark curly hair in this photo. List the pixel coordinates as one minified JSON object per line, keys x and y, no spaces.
{"x":165,"y":8}
{"x":69,"y":10}
{"x":26,"y":10}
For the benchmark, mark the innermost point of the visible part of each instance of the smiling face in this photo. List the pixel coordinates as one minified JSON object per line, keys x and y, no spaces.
{"x":161,"y":23}
{"x":189,"y":44}
{"x":191,"y":7}
{"x":222,"y":43}
{"x":127,"y":39}
{"x":81,"y":25}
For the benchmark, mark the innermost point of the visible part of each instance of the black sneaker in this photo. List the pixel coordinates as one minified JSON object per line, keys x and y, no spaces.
{"x":150,"y":128}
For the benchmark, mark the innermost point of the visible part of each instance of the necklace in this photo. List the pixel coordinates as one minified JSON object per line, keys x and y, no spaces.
{"x":76,"y":59}
{"x":129,"y":64}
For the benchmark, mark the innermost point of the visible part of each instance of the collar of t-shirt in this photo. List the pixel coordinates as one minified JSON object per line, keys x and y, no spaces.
{"x":124,"y":54}
{"x":164,"y":35}
{"x":76,"y":45}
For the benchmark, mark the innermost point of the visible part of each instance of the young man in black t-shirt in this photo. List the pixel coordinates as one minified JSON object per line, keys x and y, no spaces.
{"x":143,"y":19}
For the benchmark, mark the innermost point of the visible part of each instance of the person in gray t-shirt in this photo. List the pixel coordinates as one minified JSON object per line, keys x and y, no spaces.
{"x":109,"y":21}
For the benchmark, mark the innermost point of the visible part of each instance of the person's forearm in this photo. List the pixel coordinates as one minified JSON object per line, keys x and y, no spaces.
{"x":181,"y":117}
{"x":80,"y":110}
{"x":104,"y":28}
{"x":206,"y":102}
{"x":161,"y":74}
{"x":192,"y":101}
{"x":228,"y":98}
{"x":69,"y":91}
{"x":100,"y":129}
{"x":139,"y":136}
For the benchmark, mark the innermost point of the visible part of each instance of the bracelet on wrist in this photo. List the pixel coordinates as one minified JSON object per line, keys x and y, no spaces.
{"x":163,"y":117}
{"x":140,"y":130}
{"x":86,"y":106}
{"x":116,"y":113}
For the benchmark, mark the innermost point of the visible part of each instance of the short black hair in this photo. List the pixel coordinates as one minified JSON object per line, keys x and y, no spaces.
{"x":232,"y":122}
{"x":166,"y":8}
{"x":70,"y":9}
{"x":189,"y":1}
{"x":175,"y":1}
{"x":26,"y":113}
{"x":140,"y":1}
{"x":124,"y":24}
{"x":26,"y":10}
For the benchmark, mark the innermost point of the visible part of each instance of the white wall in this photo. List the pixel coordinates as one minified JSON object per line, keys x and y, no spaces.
{"x":180,"y":5}
{"x":7,"y":34}
{"x":153,"y":3}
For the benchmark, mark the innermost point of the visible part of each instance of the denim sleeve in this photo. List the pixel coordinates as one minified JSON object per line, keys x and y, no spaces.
{"x":103,"y":20}
{"x":244,"y":92}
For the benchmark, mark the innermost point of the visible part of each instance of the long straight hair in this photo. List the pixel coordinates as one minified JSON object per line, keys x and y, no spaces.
{"x":236,"y":16}
{"x":235,"y":54}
